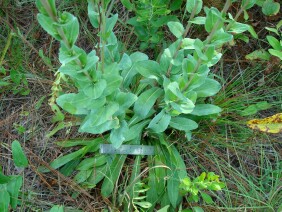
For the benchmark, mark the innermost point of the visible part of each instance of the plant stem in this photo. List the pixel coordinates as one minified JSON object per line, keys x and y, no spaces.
{"x":103,"y":25}
{"x":183,"y":36}
{"x":208,"y":40}
{"x":8,"y":43}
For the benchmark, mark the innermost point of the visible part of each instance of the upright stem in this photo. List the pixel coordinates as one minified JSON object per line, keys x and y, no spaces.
{"x":183,"y":36}
{"x":62,"y":34}
{"x":103,"y":26}
{"x":209,"y":38}
{"x":8,"y":43}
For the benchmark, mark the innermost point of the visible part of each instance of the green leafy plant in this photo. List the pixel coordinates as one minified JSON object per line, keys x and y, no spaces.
{"x":269,"y":7}
{"x":275,"y":43}
{"x":131,"y":99}
{"x":149,"y":17}
{"x":12,"y":76}
{"x":196,"y":187}
{"x":10,"y":185}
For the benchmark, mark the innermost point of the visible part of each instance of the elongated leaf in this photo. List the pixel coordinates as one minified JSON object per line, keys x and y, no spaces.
{"x":213,"y":17}
{"x":82,"y":176}
{"x":146,"y":101}
{"x":191,"y":4}
{"x":4,"y":200}
{"x":4,"y":179}
{"x":176,"y":28}
{"x":209,"y":88}
{"x":57,"y":208}
{"x":113,"y":173}
{"x":160,"y":122}
{"x":205,"y":109}
{"x":97,"y":175}
{"x":13,"y":187}
{"x":89,"y":163}
{"x":118,"y":135}
{"x":149,"y":69}
{"x":19,"y":157}
{"x":182,"y":123}
{"x":59,"y":162}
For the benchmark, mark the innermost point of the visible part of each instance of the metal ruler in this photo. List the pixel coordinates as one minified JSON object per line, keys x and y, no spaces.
{"x":127,"y":149}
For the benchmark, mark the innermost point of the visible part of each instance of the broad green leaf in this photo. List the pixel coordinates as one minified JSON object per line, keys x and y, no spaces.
{"x":43,"y":10}
{"x":237,"y":28}
{"x":182,"y":123}
{"x":146,"y":101}
{"x":69,"y":168}
{"x":194,"y":4}
{"x":199,"y":20}
{"x":125,"y":62}
{"x":112,"y":174}
{"x":97,"y":175}
{"x":152,"y":193}
{"x":47,"y":24}
{"x":274,"y":43}
{"x":213,"y":19}
{"x":125,"y":100}
{"x":207,"y":198}
{"x":13,"y":187}
{"x":176,"y":28}
{"x":173,"y":188}
{"x":127,"y":4}
{"x":197,"y":209}
{"x":4,"y":179}
{"x":209,"y":88}
{"x":270,"y":7}
{"x":220,"y":37}
{"x":258,"y":54}
{"x":93,"y":13}
{"x":247,"y":4}
{"x":60,"y":161}
{"x":160,"y":122}
{"x":143,"y":204}
{"x":94,"y":91}
{"x":117,"y":135}
{"x":128,"y":74}
{"x":79,"y":142}
{"x":149,"y":69}
{"x":90,"y":163}
{"x":136,"y":130}
{"x":205,"y":109}
{"x":98,"y":129}
{"x":70,"y":27}
{"x":79,"y":103}
{"x":4,"y":200}
{"x":19,"y":156}
{"x":82,"y":176}
{"x":164,"y":209}
{"x":57,"y":208}
{"x":99,"y":116}
{"x":110,"y":23}
{"x":276,"y":53}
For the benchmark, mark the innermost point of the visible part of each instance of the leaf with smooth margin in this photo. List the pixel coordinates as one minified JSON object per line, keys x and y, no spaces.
{"x":191,"y":4}
{"x":209,"y":88}
{"x":13,"y":187}
{"x":160,"y":122}
{"x":19,"y":156}
{"x":205,"y":109}
{"x":146,"y":101}
{"x":112,"y":174}
{"x":117,"y":135}
{"x":176,"y":28}
{"x":182,"y":123}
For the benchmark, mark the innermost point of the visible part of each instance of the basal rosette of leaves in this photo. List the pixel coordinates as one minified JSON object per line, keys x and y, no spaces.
{"x":125,"y":95}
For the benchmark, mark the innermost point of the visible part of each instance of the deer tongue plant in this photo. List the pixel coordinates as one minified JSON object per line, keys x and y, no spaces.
{"x":122,"y":96}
